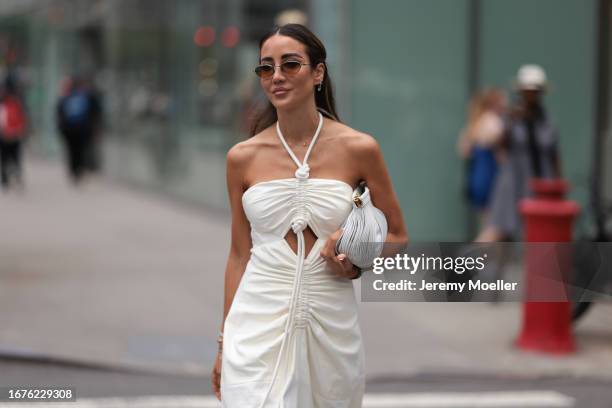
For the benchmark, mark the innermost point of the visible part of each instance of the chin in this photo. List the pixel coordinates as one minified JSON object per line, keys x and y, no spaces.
{"x":284,"y":104}
{"x":288,"y":104}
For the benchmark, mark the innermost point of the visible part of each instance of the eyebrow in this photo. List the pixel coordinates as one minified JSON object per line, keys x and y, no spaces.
{"x":284,"y":56}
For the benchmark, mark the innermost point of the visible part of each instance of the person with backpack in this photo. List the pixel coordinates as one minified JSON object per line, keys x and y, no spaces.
{"x":13,"y":127}
{"x":78,"y":115}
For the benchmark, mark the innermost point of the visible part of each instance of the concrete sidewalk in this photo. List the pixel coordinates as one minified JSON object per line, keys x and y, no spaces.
{"x":104,"y":275}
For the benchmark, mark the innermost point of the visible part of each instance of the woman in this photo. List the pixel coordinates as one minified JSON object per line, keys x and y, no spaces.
{"x":291,"y":336}
{"x":531,"y":144}
{"x":479,"y":143}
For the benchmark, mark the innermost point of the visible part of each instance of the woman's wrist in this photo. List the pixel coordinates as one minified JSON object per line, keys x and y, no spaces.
{"x":220,"y":341}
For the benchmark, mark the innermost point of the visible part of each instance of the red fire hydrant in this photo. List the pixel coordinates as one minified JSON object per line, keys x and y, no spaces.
{"x":548,"y":219}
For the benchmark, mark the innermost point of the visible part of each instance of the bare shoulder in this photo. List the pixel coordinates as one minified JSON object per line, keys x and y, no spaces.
{"x":243,"y":152}
{"x":357,"y":143}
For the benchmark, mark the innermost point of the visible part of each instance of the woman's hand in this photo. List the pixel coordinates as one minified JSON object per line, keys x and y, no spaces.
{"x":215,"y":376}
{"x":340,"y":263}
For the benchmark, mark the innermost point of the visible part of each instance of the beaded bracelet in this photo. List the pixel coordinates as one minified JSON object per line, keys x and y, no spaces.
{"x":220,"y":340}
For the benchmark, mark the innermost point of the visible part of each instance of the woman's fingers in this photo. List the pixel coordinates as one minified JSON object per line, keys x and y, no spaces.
{"x":215,"y":383}
{"x":340,"y":263}
{"x":215,"y":378}
{"x":329,"y":249}
{"x":342,"y":266}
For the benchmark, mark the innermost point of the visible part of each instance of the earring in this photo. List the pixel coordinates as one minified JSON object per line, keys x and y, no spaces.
{"x":320,"y":84}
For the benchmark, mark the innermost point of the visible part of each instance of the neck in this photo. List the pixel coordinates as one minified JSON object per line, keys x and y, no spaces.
{"x":299,"y":125}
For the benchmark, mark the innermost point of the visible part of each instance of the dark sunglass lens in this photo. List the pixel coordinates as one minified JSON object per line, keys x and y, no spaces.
{"x":291,"y":67}
{"x":264,"y":70}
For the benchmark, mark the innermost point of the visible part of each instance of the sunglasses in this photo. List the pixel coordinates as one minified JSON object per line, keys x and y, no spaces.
{"x":287,"y":67}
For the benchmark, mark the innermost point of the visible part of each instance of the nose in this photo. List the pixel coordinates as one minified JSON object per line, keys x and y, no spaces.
{"x":278,"y":74}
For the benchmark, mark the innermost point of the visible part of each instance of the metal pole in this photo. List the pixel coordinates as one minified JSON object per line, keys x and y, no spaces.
{"x":601,"y":77}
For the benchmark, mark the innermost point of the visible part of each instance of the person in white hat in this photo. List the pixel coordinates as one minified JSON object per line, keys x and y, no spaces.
{"x":531,"y":77}
{"x":531,"y":150}
{"x":531,"y":83}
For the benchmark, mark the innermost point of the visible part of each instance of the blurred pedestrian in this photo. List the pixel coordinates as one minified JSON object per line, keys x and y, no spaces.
{"x":531,"y":150}
{"x":13,"y":126}
{"x":78,"y":119}
{"x":479,"y":143}
{"x":93,"y":153}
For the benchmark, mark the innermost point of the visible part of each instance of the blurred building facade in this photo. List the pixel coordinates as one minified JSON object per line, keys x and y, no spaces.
{"x":178,"y":84}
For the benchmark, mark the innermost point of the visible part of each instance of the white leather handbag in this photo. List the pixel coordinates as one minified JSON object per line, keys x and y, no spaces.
{"x":364,"y":230}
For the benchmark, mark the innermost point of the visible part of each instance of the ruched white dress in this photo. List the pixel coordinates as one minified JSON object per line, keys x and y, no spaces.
{"x":292,"y":336}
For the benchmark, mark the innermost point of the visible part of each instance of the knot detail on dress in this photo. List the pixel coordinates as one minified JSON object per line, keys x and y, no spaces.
{"x":298,"y":224}
{"x":303,"y":172}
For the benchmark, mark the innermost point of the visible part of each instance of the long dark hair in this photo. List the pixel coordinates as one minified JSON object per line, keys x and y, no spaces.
{"x":315,"y":49}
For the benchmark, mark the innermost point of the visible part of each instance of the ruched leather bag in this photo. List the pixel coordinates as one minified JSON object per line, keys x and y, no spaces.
{"x":364,"y":230}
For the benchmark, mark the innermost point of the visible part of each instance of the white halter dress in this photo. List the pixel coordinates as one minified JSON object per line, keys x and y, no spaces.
{"x":292,"y":336}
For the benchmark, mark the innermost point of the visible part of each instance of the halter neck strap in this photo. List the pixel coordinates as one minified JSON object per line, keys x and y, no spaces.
{"x":312,"y":142}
